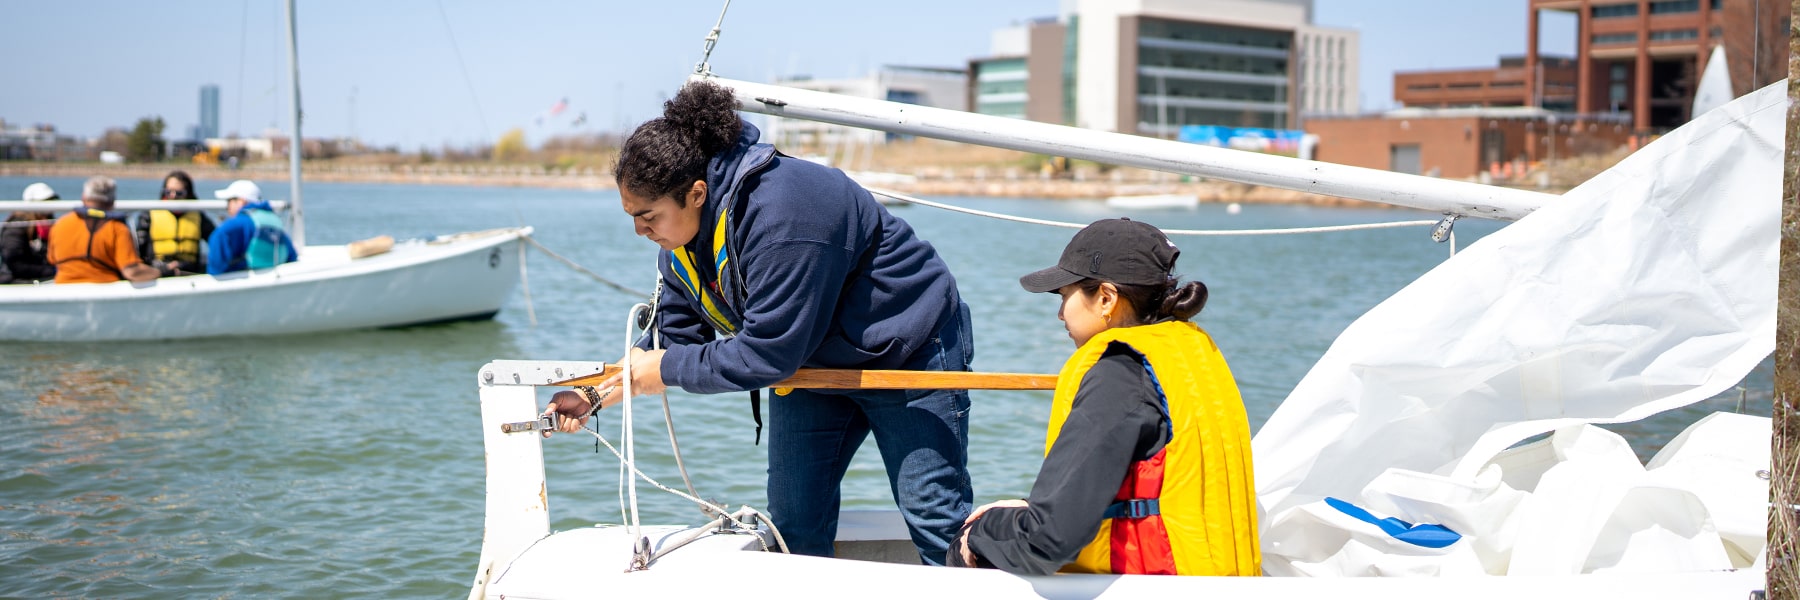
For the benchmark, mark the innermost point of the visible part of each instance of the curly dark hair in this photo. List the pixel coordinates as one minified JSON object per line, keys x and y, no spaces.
{"x":666,"y":155}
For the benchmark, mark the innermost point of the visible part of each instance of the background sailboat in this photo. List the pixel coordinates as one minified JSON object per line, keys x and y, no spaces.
{"x":453,"y":277}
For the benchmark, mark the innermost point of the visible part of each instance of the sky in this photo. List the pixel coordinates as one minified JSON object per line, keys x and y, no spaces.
{"x":429,"y":73}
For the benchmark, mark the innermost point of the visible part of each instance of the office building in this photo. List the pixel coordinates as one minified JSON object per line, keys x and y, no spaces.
{"x":1644,"y":57}
{"x":1151,"y":67}
{"x":1506,"y":85}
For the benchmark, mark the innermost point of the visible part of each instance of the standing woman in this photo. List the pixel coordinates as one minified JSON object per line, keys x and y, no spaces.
{"x":170,"y":239}
{"x":773,"y":264}
{"x":1147,"y":460}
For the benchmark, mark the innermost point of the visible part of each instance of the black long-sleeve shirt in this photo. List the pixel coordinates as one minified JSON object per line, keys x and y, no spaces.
{"x":1116,"y":419}
{"x":27,"y":263}
{"x":146,"y":247}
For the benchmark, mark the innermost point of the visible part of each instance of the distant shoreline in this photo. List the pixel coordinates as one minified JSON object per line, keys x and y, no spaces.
{"x":485,"y":175}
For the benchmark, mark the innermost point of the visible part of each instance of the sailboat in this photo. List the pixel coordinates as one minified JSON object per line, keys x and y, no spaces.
{"x":459,"y":276}
{"x":1648,"y":288}
{"x":1715,"y":83}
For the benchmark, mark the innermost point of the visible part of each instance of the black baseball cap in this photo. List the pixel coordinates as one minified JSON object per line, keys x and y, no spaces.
{"x":1116,"y":250}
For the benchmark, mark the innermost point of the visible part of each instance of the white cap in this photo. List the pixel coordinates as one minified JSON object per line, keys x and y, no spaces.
{"x":39,"y":192}
{"x":242,"y":188}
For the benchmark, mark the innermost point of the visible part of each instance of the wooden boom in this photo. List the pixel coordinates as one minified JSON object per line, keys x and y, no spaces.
{"x":857,"y":379}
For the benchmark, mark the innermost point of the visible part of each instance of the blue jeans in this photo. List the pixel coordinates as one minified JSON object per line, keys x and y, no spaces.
{"x":923,"y":436}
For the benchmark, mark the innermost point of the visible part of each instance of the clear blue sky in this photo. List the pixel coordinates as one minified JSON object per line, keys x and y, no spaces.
{"x":87,"y":65}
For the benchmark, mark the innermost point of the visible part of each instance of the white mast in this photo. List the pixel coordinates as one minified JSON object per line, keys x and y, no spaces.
{"x":298,"y":234}
{"x":1399,"y":189}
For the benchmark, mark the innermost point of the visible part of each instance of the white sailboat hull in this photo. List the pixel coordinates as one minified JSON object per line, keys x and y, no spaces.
{"x":464,"y":276}
{"x":714,"y":562}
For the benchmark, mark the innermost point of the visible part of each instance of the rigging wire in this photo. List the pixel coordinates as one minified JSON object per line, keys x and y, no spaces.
{"x":1205,"y":232}
{"x":464,"y":67}
{"x":704,"y":67}
{"x":583,"y":270}
{"x":243,"y":50}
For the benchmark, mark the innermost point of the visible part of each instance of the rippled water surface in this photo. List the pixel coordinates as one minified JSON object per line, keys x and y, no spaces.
{"x":351,"y":463}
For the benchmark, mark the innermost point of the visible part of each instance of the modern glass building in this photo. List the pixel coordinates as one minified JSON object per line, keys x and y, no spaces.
{"x":1153,"y":66}
{"x":209,"y":113}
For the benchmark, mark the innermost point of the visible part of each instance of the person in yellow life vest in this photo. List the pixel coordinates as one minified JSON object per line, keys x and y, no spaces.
{"x":1147,"y":460}
{"x":170,"y":240}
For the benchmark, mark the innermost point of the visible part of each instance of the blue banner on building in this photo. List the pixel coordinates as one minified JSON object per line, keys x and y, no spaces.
{"x":1285,"y":142}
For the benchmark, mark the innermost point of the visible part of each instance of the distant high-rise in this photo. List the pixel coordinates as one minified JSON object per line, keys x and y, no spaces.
{"x":209,"y":112}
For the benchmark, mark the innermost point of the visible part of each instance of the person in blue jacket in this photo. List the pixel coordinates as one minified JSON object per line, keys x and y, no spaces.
{"x":253,"y":238}
{"x":772,"y":264}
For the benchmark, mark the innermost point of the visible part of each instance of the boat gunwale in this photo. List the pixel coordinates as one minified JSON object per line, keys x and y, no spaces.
{"x":20,"y":295}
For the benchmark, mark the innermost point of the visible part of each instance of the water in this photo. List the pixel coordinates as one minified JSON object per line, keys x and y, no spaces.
{"x":351,"y":463}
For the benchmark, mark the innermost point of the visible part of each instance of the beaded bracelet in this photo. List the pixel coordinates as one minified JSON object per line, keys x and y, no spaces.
{"x":593,"y":396}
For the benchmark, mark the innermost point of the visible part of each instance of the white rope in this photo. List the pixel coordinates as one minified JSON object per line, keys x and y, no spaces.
{"x":1205,"y":232}
{"x":736,"y":519}
{"x":630,"y":457}
{"x":633,"y":468}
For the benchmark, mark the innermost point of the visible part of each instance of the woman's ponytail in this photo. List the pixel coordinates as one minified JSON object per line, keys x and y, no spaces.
{"x":1185,"y":301}
{"x":666,"y":155}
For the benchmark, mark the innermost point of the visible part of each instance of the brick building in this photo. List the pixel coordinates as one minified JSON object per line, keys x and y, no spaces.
{"x":1644,"y":57}
{"x":1503,"y":86}
{"x":1461,"y":142}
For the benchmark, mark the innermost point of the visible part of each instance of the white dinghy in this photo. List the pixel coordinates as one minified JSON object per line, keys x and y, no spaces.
{"x":1649,"y":288}
{"x":451,"y":277}
{"x":457,"y":277}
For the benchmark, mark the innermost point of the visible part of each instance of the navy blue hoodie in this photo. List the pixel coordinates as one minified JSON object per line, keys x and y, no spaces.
{"x":830,"y":278}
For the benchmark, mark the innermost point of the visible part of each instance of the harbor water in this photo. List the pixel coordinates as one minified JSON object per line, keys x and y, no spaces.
{"x":351,"y":463}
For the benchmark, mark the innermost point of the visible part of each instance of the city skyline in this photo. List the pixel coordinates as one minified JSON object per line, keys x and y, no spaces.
{"x":427,"y":74}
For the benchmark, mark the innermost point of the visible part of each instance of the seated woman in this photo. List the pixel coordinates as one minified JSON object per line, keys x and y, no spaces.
{"x":25,"y":240}
{"x":171,"y":240}
{"x":1147,"y":462}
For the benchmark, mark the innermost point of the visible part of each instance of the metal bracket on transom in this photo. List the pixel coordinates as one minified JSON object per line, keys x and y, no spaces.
{"x":537,"y":372}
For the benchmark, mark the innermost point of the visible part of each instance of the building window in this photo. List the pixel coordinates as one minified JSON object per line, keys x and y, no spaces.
{"x":1618,"y":72}
{"x":1716,"y":4}
{"x":1668,"y":35}
{"x":1616,"y":94}
{"x":1674,"y":6}
{"x":1214,"y":34}
{"x":1613,"y":39}
{"x":1608,"y":11}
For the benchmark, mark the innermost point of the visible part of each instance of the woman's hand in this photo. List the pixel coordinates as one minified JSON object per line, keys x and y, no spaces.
{"x":573,"y":408}
{"x":962,"y":547}
{"x":646,"y":373}
{"x":646,"y":377}
{"x":997,"y":504}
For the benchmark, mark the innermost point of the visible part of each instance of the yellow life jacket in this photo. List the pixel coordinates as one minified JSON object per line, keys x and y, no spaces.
{"x":711,"y":296}
{"x":1201,"y":498}
{"x":175,"y":238}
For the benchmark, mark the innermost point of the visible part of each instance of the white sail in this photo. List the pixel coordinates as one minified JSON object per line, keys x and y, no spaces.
{"x":1650,"y":287}
{"x":1715,"y":84}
